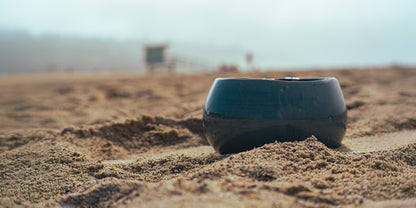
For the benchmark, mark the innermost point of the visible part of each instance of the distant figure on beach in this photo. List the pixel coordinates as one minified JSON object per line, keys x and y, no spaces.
{"x":249,"y":60}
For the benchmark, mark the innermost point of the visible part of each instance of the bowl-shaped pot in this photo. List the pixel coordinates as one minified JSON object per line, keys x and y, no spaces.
{"x":241,"y":114}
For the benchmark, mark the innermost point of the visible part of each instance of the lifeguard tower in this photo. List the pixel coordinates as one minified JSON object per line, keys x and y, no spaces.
{"x":155,"y":58}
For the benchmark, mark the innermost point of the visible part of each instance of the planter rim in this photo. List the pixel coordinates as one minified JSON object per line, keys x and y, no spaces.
{"x":285,"y":79}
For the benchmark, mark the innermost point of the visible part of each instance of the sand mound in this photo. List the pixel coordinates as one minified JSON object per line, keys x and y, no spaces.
{"x":308,"y":172}
{"x":41,"y":171}
{"x":116,"y":140}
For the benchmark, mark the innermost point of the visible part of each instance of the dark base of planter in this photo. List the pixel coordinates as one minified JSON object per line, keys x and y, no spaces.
{"x":232,"y":135}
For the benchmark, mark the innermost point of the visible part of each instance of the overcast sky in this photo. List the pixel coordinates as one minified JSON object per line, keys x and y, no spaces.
{"x":295,"y":33}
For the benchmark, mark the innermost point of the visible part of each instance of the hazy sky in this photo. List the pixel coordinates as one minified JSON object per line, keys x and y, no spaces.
{"x":295,"y":33}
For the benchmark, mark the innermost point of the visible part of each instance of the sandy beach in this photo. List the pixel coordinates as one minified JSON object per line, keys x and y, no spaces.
{"x":136,"y":140}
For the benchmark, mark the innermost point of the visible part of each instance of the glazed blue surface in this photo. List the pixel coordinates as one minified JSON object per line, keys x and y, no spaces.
{"x":241,"y":114}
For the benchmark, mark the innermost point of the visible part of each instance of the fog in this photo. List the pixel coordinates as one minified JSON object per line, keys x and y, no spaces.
{"x":110,"y":35}
{"x":21,"y":51}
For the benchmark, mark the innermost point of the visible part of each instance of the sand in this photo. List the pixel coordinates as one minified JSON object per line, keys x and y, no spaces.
{"x":135,"y":140}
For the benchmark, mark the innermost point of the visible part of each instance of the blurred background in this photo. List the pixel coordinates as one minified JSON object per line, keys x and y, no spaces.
{"x":119,"y":35}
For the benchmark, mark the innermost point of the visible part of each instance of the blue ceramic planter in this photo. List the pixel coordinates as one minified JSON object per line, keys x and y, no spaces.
{"x":241,"y":114}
